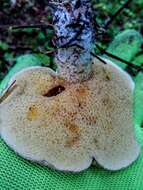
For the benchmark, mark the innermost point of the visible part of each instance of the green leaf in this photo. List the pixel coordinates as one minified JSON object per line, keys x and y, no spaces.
{"x":138,"y":96}
{"x":22,"y":62}
{"x":45,"y":60}
{"x":138,"y":100}
{"x":3,"y":46}
{"x":125,"y":45}
{"x":138,"y":60}
{"x":41,"y":36}
{"x":9,"y":57}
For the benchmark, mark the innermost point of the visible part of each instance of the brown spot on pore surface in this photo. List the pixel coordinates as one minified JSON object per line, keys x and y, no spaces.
{"x":72,"y":114}
{"x":74,"y":136}
{"x":73,"y":128}
{"x":81,"y":91}
{"x":89,"y":119}
{"x":32,"y":113}
{"x":55,"y":91}
{"x":72,"y":141}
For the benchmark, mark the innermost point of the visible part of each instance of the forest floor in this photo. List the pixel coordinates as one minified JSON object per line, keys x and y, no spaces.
{"x":28,"y":12}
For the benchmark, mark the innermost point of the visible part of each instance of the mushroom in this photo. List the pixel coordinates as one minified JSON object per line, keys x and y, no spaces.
{"x":46,"y":119}
{"x":80,"y":113}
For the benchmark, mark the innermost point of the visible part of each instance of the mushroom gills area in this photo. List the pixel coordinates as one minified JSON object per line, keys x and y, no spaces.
{"x":66,"y":126}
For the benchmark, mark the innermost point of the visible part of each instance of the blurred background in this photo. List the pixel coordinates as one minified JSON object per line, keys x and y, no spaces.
{"x":14,"y":43}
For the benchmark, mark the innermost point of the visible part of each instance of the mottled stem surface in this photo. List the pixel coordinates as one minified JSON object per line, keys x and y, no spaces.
{"x":73,"y":25}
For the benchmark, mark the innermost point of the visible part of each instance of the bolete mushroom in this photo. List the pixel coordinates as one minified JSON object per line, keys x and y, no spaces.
{"x":80,"y":113}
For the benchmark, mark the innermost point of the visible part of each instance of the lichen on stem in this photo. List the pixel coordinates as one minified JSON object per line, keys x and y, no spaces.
{"x":74,"y":36}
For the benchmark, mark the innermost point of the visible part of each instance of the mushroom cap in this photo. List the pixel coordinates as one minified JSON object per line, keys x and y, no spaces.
{"x":67,"y":126}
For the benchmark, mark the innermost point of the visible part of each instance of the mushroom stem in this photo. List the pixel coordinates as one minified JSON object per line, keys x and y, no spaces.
{"x":73,"y":25}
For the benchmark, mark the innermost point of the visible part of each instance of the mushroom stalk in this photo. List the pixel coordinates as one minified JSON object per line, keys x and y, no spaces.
{"x":73,"y":25}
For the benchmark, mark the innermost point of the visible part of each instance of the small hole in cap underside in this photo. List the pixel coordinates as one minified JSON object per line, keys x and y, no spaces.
{"x":54,"y":91}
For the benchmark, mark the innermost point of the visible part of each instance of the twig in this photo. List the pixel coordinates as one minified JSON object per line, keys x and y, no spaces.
{"x":10,"y":89}
{"x":100,"y":59}
{"x":9,"y":27}
{"x":117,"y":13}
{"x":133,"y":65}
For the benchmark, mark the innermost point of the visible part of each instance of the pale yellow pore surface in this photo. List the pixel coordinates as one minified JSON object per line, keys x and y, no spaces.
{"x":87,"y":120}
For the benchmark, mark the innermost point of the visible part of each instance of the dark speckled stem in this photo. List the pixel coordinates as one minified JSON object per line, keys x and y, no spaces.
{"x":73,"y":25}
